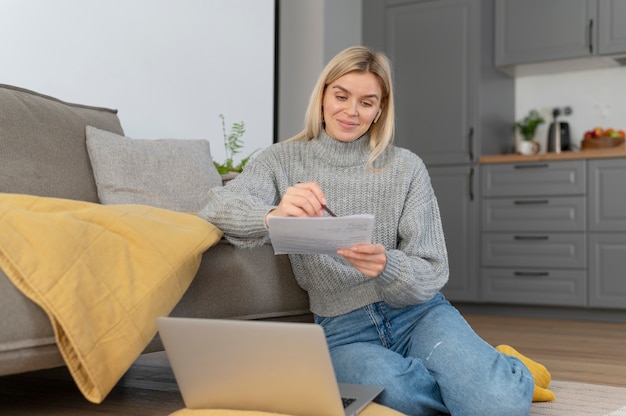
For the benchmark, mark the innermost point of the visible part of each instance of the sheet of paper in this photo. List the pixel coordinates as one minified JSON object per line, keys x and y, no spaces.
{"x":319,"y":235}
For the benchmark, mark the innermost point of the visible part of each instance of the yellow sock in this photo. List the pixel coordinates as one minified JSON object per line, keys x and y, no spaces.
{"x":540,"y":374}
{"x":543,"y":395}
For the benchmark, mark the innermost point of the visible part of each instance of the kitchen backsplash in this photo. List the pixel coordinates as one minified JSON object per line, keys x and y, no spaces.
{"x":597,"y":98}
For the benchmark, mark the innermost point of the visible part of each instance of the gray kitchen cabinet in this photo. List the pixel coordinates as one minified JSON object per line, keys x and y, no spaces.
{"x":533,"y":233}
{"x":607,"y":237}
{"x":611,"y":26}
{"x":433,"y":69}
{"x":534,"y":250}
{"x":534,"y":213}
{"x":542,"y":30}
{"x":535,"y":179}
{"x":535,"y":287}
{"x":451,"y":106}
{"x":607,"y":261}
{"x":530,"y":31}
{"x":607,"y":195}
{"x":455,"y":188}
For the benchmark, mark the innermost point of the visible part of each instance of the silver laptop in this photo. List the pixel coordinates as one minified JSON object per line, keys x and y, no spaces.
{"x":265,"y":366}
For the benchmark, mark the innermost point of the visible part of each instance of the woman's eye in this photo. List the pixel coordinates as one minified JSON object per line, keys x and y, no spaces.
{"x":342,"y":97}
{"x":366,"y":104}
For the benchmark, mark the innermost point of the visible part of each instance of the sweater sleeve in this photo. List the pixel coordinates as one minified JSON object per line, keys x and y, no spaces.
{"x":239,"y":208}
{"x":418,"y":267}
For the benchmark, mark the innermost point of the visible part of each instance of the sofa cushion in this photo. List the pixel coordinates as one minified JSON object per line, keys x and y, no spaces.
{"x":42,"y":142}
{"x":165,"y":173}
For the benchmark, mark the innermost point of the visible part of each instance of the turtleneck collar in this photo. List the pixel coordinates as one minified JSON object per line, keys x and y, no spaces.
{"x":341,"y":154}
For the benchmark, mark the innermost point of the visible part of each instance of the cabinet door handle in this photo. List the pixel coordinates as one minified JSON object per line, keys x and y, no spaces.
{"x":531,"y":202}
{"x":531,"y":274}
{"x":531,"y":237}
{"x":590,"y":36}
{"x":531,"y":166}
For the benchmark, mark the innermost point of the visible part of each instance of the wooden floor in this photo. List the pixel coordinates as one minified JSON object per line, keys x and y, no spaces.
{"x":589,"y":352}
{"x":573,"y":351}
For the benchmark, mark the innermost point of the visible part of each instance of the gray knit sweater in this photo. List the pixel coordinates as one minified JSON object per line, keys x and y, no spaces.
{"x":400,"y":197}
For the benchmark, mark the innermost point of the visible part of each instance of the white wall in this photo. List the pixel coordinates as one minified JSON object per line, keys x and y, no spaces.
{"x":311,"y":33}
{"x":300,"y":61}
{"x":596,"y":96}
{"x":169,"y":66}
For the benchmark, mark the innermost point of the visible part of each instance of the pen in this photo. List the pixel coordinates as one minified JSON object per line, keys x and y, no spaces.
{"x":325,"y":208}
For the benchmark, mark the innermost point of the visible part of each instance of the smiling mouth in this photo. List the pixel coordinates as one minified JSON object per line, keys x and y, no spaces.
{"x":348,"y":124}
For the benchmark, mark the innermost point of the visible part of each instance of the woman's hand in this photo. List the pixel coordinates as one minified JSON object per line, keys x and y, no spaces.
{"x":300,"y":200}
{"x":369,"y":259}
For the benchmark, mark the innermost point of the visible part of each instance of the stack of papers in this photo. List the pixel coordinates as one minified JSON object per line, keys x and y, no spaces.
{"x":319,"y":235}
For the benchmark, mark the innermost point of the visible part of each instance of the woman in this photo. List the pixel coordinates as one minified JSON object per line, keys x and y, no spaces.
{"x":379,"y":304}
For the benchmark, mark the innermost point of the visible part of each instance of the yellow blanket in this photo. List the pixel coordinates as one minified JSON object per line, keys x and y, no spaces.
{"x":102,"y":274}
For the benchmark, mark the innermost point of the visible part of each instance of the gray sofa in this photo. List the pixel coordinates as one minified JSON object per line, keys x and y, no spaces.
{"x":43,"y":152}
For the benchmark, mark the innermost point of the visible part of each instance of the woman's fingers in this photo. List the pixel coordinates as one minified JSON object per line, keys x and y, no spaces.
{"x":369,"y":259}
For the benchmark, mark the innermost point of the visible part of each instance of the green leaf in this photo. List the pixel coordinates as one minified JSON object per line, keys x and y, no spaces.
{"x":233,"y":143}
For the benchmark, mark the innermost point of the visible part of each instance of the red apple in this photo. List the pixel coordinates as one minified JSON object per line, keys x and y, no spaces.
{"x":598,"y":132}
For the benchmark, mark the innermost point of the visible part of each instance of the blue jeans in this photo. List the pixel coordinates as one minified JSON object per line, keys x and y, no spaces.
{"x":428,"y":359}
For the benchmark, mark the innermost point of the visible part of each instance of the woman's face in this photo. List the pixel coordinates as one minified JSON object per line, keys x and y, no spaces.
{"x":350,"y":105}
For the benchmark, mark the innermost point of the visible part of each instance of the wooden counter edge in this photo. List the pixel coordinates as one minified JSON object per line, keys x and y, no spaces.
{"x":542,"y":157}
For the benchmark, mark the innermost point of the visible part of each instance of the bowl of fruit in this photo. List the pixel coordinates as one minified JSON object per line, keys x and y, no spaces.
{"x":601,"y":138}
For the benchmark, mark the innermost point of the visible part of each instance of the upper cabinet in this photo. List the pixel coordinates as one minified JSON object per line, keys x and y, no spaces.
{"x":611,"y":27}
{"x":433,"y":72}
{"x":452,"y":105}
{"x":542,"y":30}
{"x":539,"y":31}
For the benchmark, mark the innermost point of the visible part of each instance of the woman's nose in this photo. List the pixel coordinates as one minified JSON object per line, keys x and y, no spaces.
{"x":351,"y":107}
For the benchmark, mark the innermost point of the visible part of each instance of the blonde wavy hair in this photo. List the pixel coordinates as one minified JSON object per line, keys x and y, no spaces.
{"x":362,"y":60}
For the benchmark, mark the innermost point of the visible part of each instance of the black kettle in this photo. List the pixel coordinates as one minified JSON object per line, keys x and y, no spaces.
{"x":564,"y":136}
{"x":559,"y":138}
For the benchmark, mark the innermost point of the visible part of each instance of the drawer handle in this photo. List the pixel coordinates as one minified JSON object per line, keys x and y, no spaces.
{"x":531,"y":166}
{"x":531,"y":274}
{"x":531,"y":237}
{"x":532,"y":202}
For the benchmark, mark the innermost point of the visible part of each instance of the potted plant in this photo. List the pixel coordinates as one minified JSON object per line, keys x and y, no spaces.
{"x":527,"y":128}
{"x":233,"y":143}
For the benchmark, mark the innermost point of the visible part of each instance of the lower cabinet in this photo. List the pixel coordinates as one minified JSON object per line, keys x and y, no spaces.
{"x":607,"y":270}
{"x":534,"y":268}
{"x":533,"y":240}
{"x":535,"y":286}
{"x":607,"y":233}
{"x":554,"y":233}
{"x":534,"y":250}
{"x":454,"y":187}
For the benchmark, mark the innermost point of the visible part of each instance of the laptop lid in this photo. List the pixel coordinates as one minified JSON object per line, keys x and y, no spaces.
{"x":251,"y":365}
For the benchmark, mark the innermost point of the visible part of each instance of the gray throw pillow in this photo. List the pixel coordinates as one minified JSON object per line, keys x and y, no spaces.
{"x":174,"y":174}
